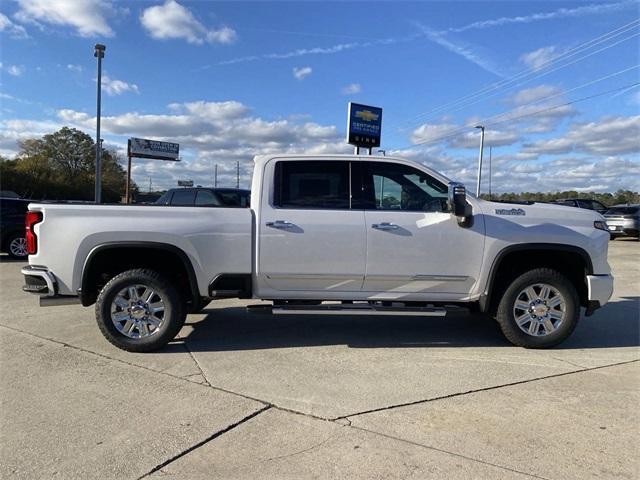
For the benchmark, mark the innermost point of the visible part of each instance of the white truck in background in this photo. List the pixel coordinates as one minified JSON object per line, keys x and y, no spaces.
{"x":330,"y":234}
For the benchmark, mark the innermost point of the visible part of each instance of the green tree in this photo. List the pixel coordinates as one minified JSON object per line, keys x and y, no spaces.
{"x":61,"y":166}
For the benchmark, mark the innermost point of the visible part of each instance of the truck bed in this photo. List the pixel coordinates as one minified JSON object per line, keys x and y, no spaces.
{"x":216,"y":240}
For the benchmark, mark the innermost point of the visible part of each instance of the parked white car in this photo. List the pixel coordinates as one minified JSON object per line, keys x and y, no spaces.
{"x":325,"y":235}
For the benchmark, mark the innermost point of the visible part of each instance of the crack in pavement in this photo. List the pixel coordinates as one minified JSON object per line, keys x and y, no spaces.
{"x":484,"y":389}
{"x":205,"y":441}
{"x":428,"y":447}
{"x":186,"y":347}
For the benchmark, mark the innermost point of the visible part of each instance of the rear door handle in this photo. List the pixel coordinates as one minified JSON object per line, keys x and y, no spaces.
{"x":385,"y":226}
{"x":283,"y":224}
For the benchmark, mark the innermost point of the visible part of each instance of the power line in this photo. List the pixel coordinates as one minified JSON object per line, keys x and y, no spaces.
{"x":461,"y":102}
{"x":530,"y":114}
{"x":539,"y":100}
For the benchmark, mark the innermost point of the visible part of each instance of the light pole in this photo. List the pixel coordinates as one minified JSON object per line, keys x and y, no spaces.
{"x":383,"y":152}
{"x":99,"y":54}
{"x":480,"y":159}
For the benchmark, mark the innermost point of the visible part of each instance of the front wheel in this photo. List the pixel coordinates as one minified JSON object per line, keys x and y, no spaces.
{"x":540,"y":309}
{"x":139,"y":311}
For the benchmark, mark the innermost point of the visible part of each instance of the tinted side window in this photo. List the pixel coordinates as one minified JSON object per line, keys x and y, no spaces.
{"x":184,"y":198}
{"x":312,"y":184}
{"x":165,"y":199}
{"x":392,"y":186}
{"x":207,"y":198}
{"x":230,"y":199}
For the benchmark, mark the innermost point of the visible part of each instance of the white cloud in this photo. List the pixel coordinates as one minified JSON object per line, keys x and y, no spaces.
{"x":594,"y":9}
{"x":213,"y":132}
{"x":303,"y":52}
{"x":12,"y":29}
{"x":174,"y":21}
{"x":468,"y":52}
{"x":74,"y":68}
{"x":535,"y":94}
{"x":351,"y":89}
{"x":88,"y":17}
{"x":607,"y":136}
{"x":15,"y":70}
{"x":302,"y":72}
{"x":117,"y":87}
{"x":539,"y":58}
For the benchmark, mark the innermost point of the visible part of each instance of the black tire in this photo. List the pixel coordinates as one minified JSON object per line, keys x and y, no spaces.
{"x":173,"y":314}
{"x":506,"y":317}
{"x":9,"y":247}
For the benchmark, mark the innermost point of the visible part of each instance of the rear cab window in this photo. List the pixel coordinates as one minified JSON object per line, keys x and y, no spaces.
{"x":312,"y":185}
{"x":183,"y":198}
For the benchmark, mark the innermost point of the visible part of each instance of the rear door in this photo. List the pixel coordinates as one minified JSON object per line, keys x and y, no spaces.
{"x":310,"y":239}
{"x":414,"y":245}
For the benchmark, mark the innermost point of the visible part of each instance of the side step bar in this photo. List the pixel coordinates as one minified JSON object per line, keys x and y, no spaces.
{"x":348,"y":309}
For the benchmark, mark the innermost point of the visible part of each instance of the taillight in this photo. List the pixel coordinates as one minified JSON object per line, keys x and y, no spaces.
{"x":31,"y":219}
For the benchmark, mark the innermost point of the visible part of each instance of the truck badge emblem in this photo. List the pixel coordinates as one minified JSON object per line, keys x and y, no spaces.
{"x":512,"y":211}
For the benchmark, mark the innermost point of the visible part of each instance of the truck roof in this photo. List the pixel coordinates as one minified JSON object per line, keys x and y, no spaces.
{"x":260,"y":160}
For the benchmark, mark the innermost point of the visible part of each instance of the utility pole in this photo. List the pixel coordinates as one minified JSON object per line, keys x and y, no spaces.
{"x":480,"y":159}
{"x":99,"y":54}
{"x":149,"y":184}
{"x":215,"y":176}
{"x":238,"y":174}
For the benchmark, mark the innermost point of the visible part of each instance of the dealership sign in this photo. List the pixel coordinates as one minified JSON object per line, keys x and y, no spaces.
{"x":143,"y":148}
{"x":185,"y":183}
{"x":365,"y":125}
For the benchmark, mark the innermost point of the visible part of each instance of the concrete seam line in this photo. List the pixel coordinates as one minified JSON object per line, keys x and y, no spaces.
{"x":205,"y":441}
{"x":185,"y":379}
{"x":477,"y":460}
{"x":101,"y":355}
{"x":484,"y":389}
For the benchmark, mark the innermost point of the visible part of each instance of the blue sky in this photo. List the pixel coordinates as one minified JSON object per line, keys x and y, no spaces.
{"x":228,"y":80}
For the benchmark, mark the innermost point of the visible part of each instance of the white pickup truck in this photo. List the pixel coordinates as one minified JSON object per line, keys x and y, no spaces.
{"x":340,"y":235}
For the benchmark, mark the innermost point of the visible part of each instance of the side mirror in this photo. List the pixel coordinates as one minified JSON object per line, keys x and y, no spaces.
{"x":457,"y":199}
{"x":458,"y":204}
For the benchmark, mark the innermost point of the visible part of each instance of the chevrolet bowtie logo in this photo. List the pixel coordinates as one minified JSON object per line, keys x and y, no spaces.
{"x":367,"y":115}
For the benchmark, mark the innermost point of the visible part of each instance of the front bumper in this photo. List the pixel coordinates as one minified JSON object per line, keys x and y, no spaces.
{"x":39,"y":280}
{"x":600,"y":289}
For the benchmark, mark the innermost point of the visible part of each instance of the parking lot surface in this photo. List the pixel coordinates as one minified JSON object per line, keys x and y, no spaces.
{"x":255,"y":396}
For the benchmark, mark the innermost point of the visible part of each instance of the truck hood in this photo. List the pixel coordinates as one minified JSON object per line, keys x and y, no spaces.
{"x":540,"y":213}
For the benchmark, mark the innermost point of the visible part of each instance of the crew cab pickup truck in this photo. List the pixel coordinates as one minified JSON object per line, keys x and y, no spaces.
{"x":339,"y":235}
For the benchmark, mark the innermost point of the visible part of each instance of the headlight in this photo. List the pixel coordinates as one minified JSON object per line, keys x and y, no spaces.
{"x":600,"y":225}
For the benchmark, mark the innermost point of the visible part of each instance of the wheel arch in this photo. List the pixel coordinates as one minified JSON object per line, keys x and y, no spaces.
{"x":575,"y":262}
{"x":174,"y":260}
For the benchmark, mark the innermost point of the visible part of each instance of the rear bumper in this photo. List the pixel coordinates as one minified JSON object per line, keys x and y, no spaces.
{"x":39,"y":280}
{"x":600,"y":289}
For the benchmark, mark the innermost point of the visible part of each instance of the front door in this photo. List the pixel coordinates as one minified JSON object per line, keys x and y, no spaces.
{"x":309,"y":237}
{"x":414,"y":245}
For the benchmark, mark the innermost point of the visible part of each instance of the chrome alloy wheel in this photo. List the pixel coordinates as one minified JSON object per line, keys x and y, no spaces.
{"x":539,"y":309}
{"x":18,"y":247}
{"x":137,"y":311}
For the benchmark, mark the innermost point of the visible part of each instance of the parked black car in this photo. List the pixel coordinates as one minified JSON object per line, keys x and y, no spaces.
{"x":206,"y":197}
{"x":623,"y":220}
{"x":12,"y":212}
{"x":582,"y":203}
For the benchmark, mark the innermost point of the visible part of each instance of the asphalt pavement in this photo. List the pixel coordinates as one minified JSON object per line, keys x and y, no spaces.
{"x":256,"y":396}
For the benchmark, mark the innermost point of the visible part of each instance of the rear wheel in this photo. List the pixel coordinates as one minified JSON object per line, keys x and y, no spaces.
{"x":539,"y":309}
{"x":139,"y":311}
{"x":17,"y":246}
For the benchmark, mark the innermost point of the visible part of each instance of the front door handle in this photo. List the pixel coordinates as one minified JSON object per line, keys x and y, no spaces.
{"x":280,"y":224}
{"x":385,"y":226}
